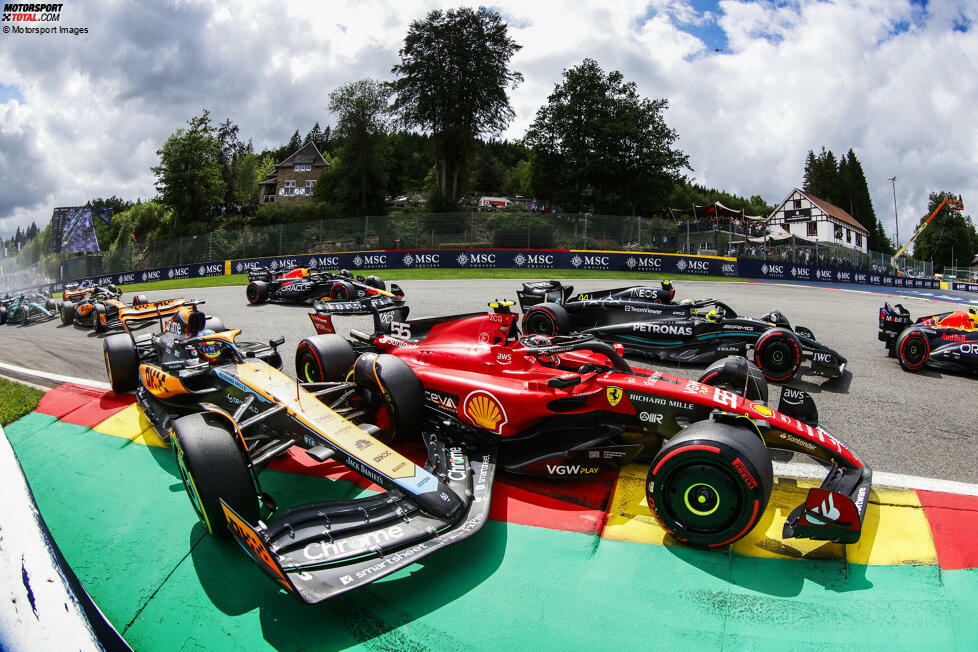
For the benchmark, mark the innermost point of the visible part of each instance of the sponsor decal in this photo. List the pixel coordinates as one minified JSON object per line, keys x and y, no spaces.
{"x":792,"y":396}
{"x":970,"y":349}
{"x":575,"y":469}
{"x":322,"y":323}
{"x":728,"y":269}
{"x":762,"y":410}
{"x":744,"y":473}
{"x":484,"y":410}
{"x":533,"y":260}
{"x":644,"y":263}
{"x":861,"y":499}
{"x":210,"y":270}
{"x":321,"y":550}
{"x":723,"y":397}
{"x":822,"y":358}
{"x":650,"y":417}
{"x":442,"y":400}
{"x":827,"y":509}
{"x":476,"y":259}
{"x":797,"y":441}
{"x":952,"y":338}
{"x":457,"y":470}
{"x":662,"y":329}
{"x":614,"y":395}
{"x":504,"y":357}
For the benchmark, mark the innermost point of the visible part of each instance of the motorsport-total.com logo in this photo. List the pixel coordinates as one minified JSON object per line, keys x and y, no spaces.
{"x":31,"y":13}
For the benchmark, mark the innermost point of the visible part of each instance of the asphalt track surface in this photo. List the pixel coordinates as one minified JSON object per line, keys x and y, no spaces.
{"x":923,"y":424}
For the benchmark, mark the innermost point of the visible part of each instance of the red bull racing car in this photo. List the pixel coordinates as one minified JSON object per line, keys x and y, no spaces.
{"x":947,"y":341}
{"x":337,"y":293}
{"x":571,"y":406}
{"x":228,"y":412}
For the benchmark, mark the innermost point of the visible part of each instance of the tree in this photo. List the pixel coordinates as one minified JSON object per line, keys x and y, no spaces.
{"x":598,"y":146}
{"x":358,"y":181}
{"x":188,"y":177}
{"x":452,"y":82}
{"x":232,"y":153}
{"x":318,"y":137}
{"x":821,"y":176}
{"x":488,"y":178}
{"x":950,"y":237}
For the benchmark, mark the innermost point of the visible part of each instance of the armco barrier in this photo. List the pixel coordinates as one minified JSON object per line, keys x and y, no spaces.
{"x":544,"y":260}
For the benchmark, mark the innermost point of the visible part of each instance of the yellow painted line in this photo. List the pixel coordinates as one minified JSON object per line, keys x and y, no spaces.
{"x":895,"y":530}
{"x":130,"y":423}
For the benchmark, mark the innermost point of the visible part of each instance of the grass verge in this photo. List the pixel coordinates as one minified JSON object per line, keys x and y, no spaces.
{"x":438,"y":274}
{"x":16,"y":400}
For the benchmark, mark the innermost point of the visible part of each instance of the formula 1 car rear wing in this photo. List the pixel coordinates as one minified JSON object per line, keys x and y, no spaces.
{"x":320,"y":550}
{"x":156,"y":310}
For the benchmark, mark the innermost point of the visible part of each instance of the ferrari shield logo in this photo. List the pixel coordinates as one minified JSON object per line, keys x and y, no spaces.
{"x":614,"y":395}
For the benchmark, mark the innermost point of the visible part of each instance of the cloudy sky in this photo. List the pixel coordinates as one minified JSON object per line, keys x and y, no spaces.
{"x":752,"y":86}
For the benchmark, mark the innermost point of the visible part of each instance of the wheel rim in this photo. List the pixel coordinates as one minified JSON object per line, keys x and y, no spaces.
{"x":310,"y":370}
{"x":777,"y":357}
{"x":702,"y":497}
{"x":913,"y":350}
{"x":542,"y":325}
{"x":190,"y":487}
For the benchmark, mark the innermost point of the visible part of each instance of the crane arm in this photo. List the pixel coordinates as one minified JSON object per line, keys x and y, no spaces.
{"x":955,"y":204}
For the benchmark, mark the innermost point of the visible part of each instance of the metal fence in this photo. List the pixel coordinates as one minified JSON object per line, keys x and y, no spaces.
{"x":502,"y":229}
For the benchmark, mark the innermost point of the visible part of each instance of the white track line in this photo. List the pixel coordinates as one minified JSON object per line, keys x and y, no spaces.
{"x":796,"y":469}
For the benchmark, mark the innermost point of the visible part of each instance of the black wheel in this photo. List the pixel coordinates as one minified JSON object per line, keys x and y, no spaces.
{"x":739,"y":375}
{"x":50,"y":305}
{"x":3,"y":314}
{"x":341,"y":291}
{"x":215,"y":324}
{"x":212,"y":467}
{"x":709,"y":485}
{"x":323,"y":359}
{"x":393,"y":393}
{"x":546,"y":319}
{"x":376,"y":282}
{"x":25,"y":315}
{"x":140,"y":300}
{"x":257,"y":292}
{"x":912,"y":349}
{"x":98,"y":311}
{"x":121,"y":362}
{"x":67,"y":311}
{"x":777,"y":353}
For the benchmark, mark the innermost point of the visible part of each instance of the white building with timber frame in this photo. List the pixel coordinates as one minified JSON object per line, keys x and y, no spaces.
{"x":814,"y":219}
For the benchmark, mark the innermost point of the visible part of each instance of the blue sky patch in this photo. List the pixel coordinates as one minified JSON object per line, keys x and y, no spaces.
{"x":8,"y":93}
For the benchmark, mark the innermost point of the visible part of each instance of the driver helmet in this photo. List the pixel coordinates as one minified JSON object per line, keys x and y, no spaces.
{"x":973,"y":315}
{"x":536,"y":340}
{"x":209,"y":350}
{"x":347,"y":273}
{"x":713,"y":315}
{"x":111,"y":288}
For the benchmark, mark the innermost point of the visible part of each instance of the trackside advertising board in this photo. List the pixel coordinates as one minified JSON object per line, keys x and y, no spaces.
{"x":966,"y":287}
{"x":544,"y":260}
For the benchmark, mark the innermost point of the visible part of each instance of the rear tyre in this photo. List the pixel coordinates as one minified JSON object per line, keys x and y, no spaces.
{"x":709,"y":486}
{"x":738,"y":375}
{"x":777,"y":353}
{"x":376,"y":282}
{"x":3,"y":314}
{"x":393,"y":393}
{"x":257,"y":292}
{"x":50,"y":305}
{"x":912,"y":349}
{"x":212,"y":467}
{"x":323,"y":359}
{"x":546,"y":319}
{"x":67,"y":310}
{"x":121,"y":362}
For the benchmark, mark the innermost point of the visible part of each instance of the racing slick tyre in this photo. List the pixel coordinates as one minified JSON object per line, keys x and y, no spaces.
{"x":342,"y":291}
{"x":50,"y":305}
{"x":3,"y":314}
{"x":67,"y":311}
{"x":912,"y":349}
{"x":257,"y":292}
{"x":212,"y":467}
{"x":98,"y":312}
{"x":709,"y":486}
{"x":121,"y":362}
{"x":739,"y":375}
{"x":393,"y":392}
{"x":323,"y":359}
{"x":140,"y":300}
{"x":215,"y":324}
{"x":546,"y":319}
{"x":376,"y":282}
{"x":777,"y":353}
{"x":25,"y":315}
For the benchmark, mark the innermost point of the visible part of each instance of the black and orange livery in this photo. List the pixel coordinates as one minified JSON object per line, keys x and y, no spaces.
{"x":228,"y":412}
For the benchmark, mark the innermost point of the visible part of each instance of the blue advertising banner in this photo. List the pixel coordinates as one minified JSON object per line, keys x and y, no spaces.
{"x":964,"y":287}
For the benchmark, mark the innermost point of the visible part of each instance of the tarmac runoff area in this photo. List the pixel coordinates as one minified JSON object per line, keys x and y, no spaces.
{"x":558,"y":566}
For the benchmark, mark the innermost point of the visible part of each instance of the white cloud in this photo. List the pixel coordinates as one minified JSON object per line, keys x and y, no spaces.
{"x":887,"y":79}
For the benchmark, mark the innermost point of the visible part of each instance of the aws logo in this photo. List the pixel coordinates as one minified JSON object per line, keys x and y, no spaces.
{"x":484,"y":410}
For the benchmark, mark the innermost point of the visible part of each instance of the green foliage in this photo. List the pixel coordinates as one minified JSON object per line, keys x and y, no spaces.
{"x":189,"y":176}
{"x":16,"y":400}
{"x":950,"y":239}
{"x":472,"y":49}
{"x":598,"y":146}
{"x":146,"y":221}
{"x":275,"y":213}
{"x":821,"y":176}
{"x":685,"y":194}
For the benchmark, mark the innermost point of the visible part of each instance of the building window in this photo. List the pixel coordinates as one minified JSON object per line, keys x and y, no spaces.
{"x":796,"y":203}
{"x":813,"y":229}
{"x":848,"y":235}
{"x":303,"y":167}
{"x":310,"y":186}
{"x":838,"y":233}
{"x":859,"y":239}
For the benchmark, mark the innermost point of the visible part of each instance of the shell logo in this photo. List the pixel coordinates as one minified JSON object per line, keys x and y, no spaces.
{"x":484,"y":410}
{"x":763,"y":410}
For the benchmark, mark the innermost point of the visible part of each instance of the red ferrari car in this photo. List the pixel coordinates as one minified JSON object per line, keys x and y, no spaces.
{"x":571,"y":407}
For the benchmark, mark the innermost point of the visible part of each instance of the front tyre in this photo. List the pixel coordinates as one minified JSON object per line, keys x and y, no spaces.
{"x":341,"y":291}
{"x":212,"y":468}
{"x":912,"y":349}
{"x":323,"y":359}
{"x":257,"y":292}
{"x":738,"y":375}
{"x":67,"y":313}
{"x":121,"y":362}
{"x":777,"y":354}
{"x":709,"y":486}
{"x":546,"y":319}
{"x":393,"y":393}
{"x":98,"y":314}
